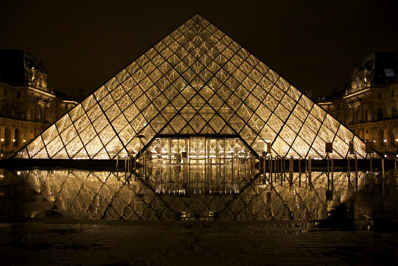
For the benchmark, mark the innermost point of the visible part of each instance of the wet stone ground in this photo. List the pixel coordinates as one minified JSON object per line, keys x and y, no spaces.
{"x":199,"y":243}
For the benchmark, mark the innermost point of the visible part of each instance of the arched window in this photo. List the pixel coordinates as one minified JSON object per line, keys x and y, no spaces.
{"x":38,"y":113}
{"x":16,"y":137}
{"x":7,"y":136}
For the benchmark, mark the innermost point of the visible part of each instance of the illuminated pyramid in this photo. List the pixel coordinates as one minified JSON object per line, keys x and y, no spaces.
{"x":197,"y":81}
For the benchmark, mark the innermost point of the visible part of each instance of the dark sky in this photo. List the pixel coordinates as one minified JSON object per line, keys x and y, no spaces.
{"x":313,"y":44}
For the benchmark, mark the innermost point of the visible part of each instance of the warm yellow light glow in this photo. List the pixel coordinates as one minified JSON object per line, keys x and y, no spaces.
{"x":150,"y":98}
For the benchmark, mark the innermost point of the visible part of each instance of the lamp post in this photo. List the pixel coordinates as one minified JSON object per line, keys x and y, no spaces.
{"x":13,"y":146}
{"x":2,"y":143}
{"x":385,"y":147}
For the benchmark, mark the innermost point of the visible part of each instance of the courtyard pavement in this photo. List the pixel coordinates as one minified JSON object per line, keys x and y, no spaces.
{"x":84,"y":242}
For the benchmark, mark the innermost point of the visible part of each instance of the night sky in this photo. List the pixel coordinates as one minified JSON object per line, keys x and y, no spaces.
{"x":312,"y":44}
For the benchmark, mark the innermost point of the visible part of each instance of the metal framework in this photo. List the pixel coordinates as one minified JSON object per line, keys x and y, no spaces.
{"x":196,"y":81}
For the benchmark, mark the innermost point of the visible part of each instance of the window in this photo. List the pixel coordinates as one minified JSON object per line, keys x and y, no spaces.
{"x":389,"y":72}
{"x":18,"y":94}
{"x":5,"y":92}
{"x":18,"y":113}
{"x":379,"y":113}
{"x":379,"y":95}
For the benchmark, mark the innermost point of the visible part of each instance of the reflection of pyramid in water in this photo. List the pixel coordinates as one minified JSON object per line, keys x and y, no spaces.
{"x":196,"y":81}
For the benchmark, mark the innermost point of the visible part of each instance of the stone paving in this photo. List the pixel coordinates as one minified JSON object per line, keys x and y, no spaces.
{"x":114,"y":243}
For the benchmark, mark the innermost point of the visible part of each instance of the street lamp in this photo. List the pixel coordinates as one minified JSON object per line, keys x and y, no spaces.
{"x":2,"y":143}
{"x":385,"y":147}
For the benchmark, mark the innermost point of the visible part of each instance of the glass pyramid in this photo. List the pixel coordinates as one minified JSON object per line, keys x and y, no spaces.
{"x":197,"y":81}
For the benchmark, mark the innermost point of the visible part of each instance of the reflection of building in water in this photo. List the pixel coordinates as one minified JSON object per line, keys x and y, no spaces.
{"x":115,"y":195}
{"x":368,"y":106}
{"x":28,"y":104}
{"x":196,"y":82}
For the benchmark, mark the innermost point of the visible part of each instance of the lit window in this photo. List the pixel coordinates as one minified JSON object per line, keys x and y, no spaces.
{"x":389,"y":72}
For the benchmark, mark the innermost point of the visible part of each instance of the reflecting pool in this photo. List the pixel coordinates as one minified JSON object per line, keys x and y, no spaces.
{"x":119,"y":195}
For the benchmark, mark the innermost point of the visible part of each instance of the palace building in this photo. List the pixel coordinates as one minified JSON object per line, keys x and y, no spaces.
{"x":196,"y":94}
{"x":28,"y":104}
{"x":368,"y":105}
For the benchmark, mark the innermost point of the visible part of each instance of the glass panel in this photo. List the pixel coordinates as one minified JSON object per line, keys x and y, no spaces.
{"x":63,"y":123}
{"x":88,"y":102}
{"x":113,"y":148}
{"x":188,"y":112}
{"x":256,"y":123}
{"x":49,"y":134}
{"x":88,"y":134}
{"x":178,"y":123}
{"x":178,"y":102}
{"x":217,"y":123}
{"x":127,"y":134}
{"x":236,"y":123}
{"x":294,"y":123}
{"x":288,"y":135}
{"x":34,"y":146}
{"x":138,"y":123}
{"x":74,"y":146}
{"x":54,"y":146}
{"x":359,"y":147}
{"x":282,"y":112}
{"x":307,"y":134}
{"x":301,"y":147}
{"x":69,"y":134}
{"x":61,"y":155}
{"x":76,"y":112}
{"x":131,"y":112}
{"x":42,"y":154}
{"x":288,"y":102}
{"x":106,"y":102}
{"x":340,"y":147}
{"x":206,"y":112}
{"x":197,"y":123}
{"x":270,"y":102}
{"x":100,"y":123}
{"x":119,"y":123}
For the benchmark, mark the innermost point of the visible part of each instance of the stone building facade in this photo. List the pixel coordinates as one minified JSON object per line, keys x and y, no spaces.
{"x":28,"y":104}
{"x":368,"y":106}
